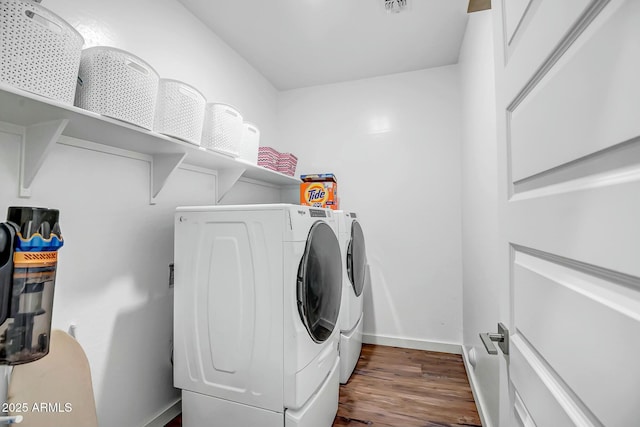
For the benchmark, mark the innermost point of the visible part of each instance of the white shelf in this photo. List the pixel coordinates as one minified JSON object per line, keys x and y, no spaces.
{"x":37,"y":114}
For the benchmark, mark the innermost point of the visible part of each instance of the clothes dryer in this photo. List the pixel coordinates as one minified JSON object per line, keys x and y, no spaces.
{"x":355,"y":277}
{"x":256,"y":306}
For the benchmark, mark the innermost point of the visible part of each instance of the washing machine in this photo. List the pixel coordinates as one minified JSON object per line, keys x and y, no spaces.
{"x":355,"y":277}
{"x":256,"y":308}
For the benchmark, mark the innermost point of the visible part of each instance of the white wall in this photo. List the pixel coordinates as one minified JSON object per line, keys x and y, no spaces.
{"x":394,"y":144}
{"x":480,"y":205}
{"x":113,"y":270}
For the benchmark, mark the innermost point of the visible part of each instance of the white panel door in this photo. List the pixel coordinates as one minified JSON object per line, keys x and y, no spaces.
{"x":568,"y":95}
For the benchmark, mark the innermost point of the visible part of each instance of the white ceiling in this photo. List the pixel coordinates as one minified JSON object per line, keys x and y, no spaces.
{"x":299,"y":43}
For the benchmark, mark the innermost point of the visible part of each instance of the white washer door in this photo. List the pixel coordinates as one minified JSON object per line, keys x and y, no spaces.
{"x":319,"y":288}
{"x":356,"y":258}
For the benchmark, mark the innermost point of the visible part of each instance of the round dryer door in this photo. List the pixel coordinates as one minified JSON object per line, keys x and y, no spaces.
{"x":356,"y":258}
{"x":320,"y":282}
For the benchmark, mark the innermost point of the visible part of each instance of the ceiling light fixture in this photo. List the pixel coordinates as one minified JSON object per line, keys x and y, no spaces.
{"x":395,"y":6}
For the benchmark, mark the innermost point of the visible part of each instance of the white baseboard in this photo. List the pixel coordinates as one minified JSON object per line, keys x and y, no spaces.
{"x":477,"y":394}
{"x":442,"y":347}
{"x":167,"y":415}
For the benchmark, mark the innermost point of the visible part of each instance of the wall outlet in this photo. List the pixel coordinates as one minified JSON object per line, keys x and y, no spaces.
{"x":171,"y":276}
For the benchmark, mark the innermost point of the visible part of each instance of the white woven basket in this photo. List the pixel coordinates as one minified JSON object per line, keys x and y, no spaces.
{"x":222,"y":130}
{"x":39,"y":51}
{"x":117,"y":84}
{"x":179,"y":111}
{"x":250,"y":143}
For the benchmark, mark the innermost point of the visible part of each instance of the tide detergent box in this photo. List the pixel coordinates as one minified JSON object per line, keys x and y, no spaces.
{"x":319,"y":190}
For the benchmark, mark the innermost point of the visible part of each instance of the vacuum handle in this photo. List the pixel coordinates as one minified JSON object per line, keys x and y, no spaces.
{"x":7,"y":237}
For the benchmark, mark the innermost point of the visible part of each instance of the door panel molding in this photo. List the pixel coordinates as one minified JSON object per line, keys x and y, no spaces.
{"x":589,"y":96}
{"x":586,"y":226}
{"x":615,"y":277}
{"x":568,"y":317}
{"x":517,"y":19}
{"x":523,"y":415}
{"x":550,"y":401}
{"x":610,"y":166}
{"x":545,"y":42}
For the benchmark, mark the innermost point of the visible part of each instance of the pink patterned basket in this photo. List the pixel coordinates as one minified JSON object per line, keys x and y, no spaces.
{"x":268,"y":158}
{"x":287,"y":163}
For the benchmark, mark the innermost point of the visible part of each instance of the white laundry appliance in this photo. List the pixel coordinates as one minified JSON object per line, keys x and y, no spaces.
{"x":354,"y":279}
{"x":256,"y":305}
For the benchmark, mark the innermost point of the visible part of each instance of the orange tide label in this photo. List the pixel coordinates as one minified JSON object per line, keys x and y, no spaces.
{"x":30,"y":258}
{"x":316,"y":193}
{"x":319,"y":194}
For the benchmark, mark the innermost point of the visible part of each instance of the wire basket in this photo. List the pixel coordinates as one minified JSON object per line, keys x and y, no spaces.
{"x":250,"y":143}
{"x":179,"y":111}
{"x":222,"y":130}
{"x":39,"y":51}
{"x":117,"y":84}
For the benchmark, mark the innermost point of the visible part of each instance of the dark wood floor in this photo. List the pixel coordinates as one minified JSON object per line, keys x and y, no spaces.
{"x":398,"y":387}
{"x":401,"y":387}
